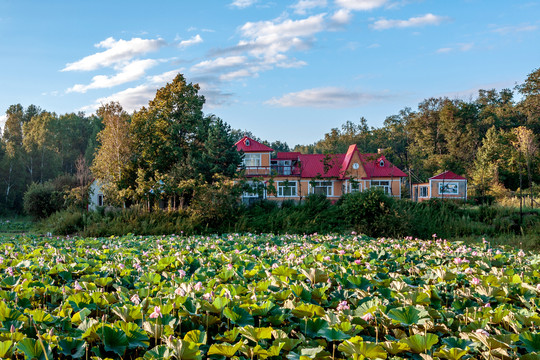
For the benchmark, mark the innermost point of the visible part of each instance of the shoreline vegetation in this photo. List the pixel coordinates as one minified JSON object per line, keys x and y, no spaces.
{"x":371,"y":213}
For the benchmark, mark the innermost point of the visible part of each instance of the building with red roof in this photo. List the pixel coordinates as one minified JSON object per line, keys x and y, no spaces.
{"x":292,"y":175}
{"x":446,"y":185}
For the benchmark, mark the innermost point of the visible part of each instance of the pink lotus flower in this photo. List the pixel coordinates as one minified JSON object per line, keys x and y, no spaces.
{"x":458,"y":261}
{"x":9,"y":270}
{"x":77,"y":287}
{"x":481,"y":332}
{"x":157,"y":313}
{"x":521,"y":253}
{"x":181,"y":273}
{"x":475,"y":281}
{"x":135,"y":299}
{"x":469,"y":271}
{"x":368,"y":317}
{"x":487,"y":305}
{"x":341,"y":252}
{"x":180,"y":291}
{"x":229,"y":266}
{"x":198,"y":286}
{"x":343,"y":306}
{"x":357,"y":261}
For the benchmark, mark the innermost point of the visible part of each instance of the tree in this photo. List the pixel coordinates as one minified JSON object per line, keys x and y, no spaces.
{"x":526,"y":145}
{"x":39,"y":147}
{"x":530,"y":105}
{"x":12,"y":171}
{"x":176,"y":140}
{"x":114,"y":155}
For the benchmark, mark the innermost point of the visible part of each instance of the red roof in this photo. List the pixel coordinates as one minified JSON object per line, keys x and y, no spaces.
{"x":447,"y":175}
{"x":376,"y":165}
{"x":247,"y":145}
{"x":328,"y":165}
{"x":287,"y":156}
{"x":347,"y":160}
{"x":321,"y":165}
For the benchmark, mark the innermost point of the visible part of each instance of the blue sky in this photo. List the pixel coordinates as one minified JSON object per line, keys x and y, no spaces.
{"x":284,"y":70}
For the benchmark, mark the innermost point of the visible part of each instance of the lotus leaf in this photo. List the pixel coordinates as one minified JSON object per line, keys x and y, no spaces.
{"x":224,"y":349}
{"x":421,"y":343}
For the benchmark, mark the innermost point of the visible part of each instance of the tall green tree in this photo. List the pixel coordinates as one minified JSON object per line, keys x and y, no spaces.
{"x":42,"y":157}
{"x":176,"y":142}
{"x":12,"y":174}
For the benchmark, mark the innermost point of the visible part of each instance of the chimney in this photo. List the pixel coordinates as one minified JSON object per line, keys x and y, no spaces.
{"x":380,"y":151}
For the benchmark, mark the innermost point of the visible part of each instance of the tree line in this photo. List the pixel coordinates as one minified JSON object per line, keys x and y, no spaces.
{"x":170,"y":151}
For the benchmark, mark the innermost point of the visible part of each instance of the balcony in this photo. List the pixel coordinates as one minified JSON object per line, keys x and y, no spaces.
{"x":274,"y":170}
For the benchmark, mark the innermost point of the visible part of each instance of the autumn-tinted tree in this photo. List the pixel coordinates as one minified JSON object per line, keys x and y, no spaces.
{"x":530,"y":105}
{"x":114,"y":156}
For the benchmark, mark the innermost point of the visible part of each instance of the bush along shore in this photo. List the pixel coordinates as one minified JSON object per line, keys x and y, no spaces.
{"x":371,"y":212}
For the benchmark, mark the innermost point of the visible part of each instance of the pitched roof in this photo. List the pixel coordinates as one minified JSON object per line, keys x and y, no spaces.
{"x":376,"y":165}
{"x":321,"y":165}
{"x":347,"y":160}
{"x":248,"y":145}
{"x":447,"y":175}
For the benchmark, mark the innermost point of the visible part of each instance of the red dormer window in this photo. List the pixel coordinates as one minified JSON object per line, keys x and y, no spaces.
{"x":247,"y":142}
{"x":381,"y":163}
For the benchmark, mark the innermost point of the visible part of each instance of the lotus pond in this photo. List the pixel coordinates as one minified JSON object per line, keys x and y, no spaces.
{"x":266,"y":297}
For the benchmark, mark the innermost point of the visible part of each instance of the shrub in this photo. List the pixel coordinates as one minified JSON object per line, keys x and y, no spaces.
{"x":42,"y":200}
{"x":371,"y":212}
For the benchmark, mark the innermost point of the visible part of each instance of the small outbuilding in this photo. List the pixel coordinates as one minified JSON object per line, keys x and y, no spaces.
{"x":446,"y":185}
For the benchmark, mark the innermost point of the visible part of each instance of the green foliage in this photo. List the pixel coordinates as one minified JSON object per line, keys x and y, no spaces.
{"x":370,"y":212}
{"x":42,"y":200}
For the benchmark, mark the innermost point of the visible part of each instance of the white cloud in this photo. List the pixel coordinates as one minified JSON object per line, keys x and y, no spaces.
{"x":165,"y":77}
{"x":325,"y":97}
{"x":197,"y":39}
{"x":131,"y":99}
{"x":428,"y":19}
{"x":341,"y":17}
{"x":118,"y":51}
{"x":213,"y":95}
{"x":444,"y":50}
{"x":243,"y":3}
{"x":233,"y":75}
{"x":302,"y":6}
{"x":505,"y":30}
{"x":459,"y":47}
{"x":267,"y":39}
{"x":127,"y":73}
{"x":360,"y":4}
{"x":218,"y":64}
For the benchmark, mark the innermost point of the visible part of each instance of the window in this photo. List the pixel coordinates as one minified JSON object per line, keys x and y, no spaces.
{"x":254,"y":190}
{"x":252,"y":160}
{"x":321,"y":187}
{"x":382,"y":184}
{"x":286,"y":188}
{"x":282,"y":167}
{"x":423,"y":191}
{"x":351,"y":186}
{"x":100,"y":200}
{"x":448,"y":188}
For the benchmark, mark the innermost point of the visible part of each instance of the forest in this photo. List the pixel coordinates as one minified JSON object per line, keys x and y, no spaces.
{"x":171,"y":149}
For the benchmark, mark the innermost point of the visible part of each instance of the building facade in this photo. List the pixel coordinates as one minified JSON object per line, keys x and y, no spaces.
{"x":293,"y":176}
{"x":446,"y":185}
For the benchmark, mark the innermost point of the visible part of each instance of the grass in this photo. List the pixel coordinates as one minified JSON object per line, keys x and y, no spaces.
{"x":16,"y":225}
